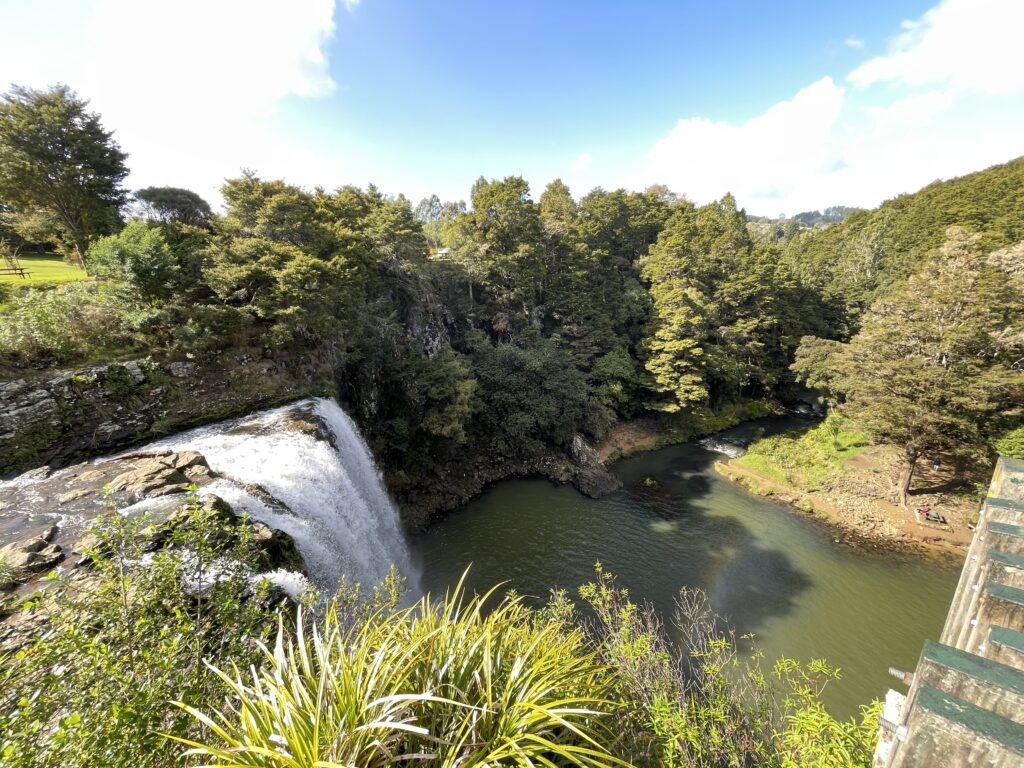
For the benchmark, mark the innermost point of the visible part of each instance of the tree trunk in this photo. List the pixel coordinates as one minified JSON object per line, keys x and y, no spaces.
{"x":79,"y":255}
{"x":902,"y":488}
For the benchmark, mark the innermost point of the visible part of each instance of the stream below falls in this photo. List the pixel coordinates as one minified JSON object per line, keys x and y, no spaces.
{"x":770,"y":571}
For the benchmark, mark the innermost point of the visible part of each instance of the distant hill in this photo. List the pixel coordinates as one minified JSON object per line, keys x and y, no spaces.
{"x":780,"y":231}
{"x":866,"y":253}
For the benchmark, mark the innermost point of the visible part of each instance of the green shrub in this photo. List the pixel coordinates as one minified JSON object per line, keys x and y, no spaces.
{"x":366,"y":684}
{"x":699,"y":702}
{"x":1011,"y":443}
{"x":139,"y":257}
{"x":63,"y":324}
{"x":92,"y":687}
{"x":446,"y":683}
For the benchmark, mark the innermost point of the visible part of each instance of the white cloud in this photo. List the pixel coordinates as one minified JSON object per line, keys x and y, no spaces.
{"x":769,"y":158}
{"x":970,"y":44}
{"x":853,"y":42}
{"x":581,"y":163}
{"x":937,"y":105}
{"x":191,"y":88}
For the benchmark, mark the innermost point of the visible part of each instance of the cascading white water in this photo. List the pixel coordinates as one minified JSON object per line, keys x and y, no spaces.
{"x":339,"y":513}
{"x":718,"y":445}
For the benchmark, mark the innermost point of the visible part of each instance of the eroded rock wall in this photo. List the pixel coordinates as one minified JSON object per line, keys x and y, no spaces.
{"x":57,"y":419}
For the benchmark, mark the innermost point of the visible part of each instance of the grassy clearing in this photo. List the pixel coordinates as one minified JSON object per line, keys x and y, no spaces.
{"x":44,"y":270}
{"x":805,"y":460}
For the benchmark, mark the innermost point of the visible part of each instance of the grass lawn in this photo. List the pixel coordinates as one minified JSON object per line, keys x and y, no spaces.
{"x":805,"y":461}
{"x":44,"y":269}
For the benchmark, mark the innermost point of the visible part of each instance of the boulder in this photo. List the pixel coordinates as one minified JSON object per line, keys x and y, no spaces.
{"x":30,"y":555}
{"x":181,"y":370}
{"x":277,"y":548}
{"x":150,"y":478}
{"x":162,"y":474}
{"x":592,"y":477}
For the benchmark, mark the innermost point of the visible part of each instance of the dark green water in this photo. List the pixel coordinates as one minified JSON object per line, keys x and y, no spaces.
{"x":769,"y":571}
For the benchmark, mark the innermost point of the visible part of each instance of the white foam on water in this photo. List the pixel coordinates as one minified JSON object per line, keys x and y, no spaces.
{"x":341,"y":518}
{"x":718,"y":445}
{"x":291,"y":583}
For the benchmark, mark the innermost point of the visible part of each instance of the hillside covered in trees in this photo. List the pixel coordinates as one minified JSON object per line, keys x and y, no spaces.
{"x":472,"y":334}
{"x":506,"y":325}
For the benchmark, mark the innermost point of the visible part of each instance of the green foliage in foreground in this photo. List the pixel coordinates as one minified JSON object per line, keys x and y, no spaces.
{"x":446,"y":683}
{"x":362,"y":682}
{"x":806,"y":460}
{"x":92,"y":687}
{"x":452,"y":683}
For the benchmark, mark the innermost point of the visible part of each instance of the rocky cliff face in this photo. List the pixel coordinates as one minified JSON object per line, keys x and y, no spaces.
{"x":56,"y":419}
{"x":459,"y":481}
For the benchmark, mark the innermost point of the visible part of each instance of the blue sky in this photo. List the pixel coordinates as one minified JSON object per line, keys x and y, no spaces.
{"x":790,"y":105}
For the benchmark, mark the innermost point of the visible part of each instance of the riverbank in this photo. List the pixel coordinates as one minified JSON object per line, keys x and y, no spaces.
{"x":649,"y":433}
{"x":835,"y":475}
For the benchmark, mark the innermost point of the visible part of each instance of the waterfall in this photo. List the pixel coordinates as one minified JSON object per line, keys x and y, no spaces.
{"x":335,"y":506}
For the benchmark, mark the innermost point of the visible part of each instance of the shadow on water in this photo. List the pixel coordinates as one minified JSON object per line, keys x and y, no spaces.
{"x":676,"y":523}
{"x":747,"y":582}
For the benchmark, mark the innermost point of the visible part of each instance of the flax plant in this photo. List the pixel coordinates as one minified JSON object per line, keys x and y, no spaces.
{"x":443,"y":683}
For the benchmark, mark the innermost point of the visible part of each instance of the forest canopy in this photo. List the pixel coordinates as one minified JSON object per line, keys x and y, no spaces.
{"x":510,"y":323}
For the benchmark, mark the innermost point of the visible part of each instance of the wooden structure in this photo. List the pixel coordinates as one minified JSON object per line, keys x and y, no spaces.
{"x":965,"y":706}
{"x":11,"y":266}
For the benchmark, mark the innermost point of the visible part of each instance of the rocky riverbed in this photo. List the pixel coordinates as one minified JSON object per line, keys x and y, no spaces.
{"x":45,"y":516}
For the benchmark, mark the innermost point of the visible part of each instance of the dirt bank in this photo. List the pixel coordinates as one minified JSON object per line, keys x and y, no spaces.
{"x":855,"y":504}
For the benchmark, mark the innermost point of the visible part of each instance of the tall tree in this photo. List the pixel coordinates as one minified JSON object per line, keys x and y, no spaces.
{"x":57,"y":160}
{"x":697,"y":250}
{"x":173,"y":204}
{"x":933,"y":366}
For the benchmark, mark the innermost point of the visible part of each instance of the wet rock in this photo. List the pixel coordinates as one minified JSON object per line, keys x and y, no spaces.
{"x":162,"y":474}
{"x":277,"y":548}
{"x":592,"y":478}
{"x":82,"y":548}
{"x":31,"y":555}
{"x":70,"y":496}
{"x":90,"y":475}
{"x":150,"y":478}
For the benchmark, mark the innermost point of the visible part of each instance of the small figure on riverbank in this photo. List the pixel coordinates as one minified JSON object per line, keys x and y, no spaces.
{"x":930,"y":515}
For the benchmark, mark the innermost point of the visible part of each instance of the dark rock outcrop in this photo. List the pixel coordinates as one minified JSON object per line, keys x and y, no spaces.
{"x":455,"y":483}
{"x":592,"y":478}
{"x":60,"y":418}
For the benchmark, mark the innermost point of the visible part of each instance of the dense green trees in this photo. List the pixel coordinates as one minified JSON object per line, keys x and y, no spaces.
{"x":173,"y":204}
{"x":542,"y":318}
{"x":60,"y":170}
{"x":934,"y":367}
{"x":726,"y":312}
{"x":856,"y":261}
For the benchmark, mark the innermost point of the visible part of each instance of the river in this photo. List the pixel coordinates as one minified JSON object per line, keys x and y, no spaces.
{"x":770,"y":571}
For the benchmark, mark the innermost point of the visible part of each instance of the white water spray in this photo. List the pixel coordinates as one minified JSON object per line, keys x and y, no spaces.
{"x":725,"y":447}
{"x":338,"y":512}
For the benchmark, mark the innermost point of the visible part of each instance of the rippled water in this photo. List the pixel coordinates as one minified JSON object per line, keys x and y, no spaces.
{"x":770,"y":571}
